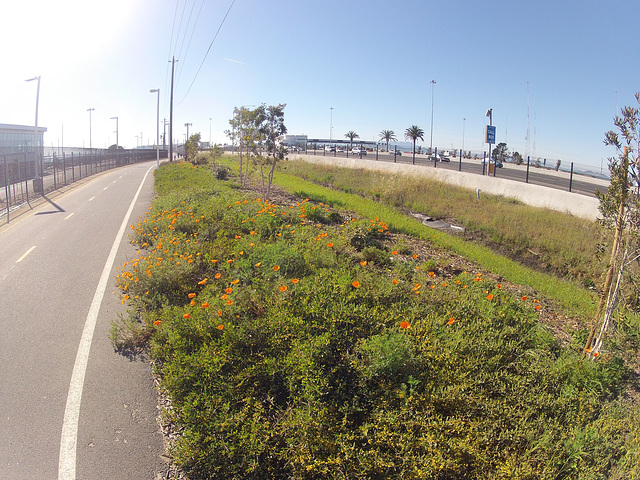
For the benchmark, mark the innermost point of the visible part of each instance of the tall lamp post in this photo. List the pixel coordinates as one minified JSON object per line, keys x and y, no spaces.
{"x":37,"y":181}
{"x":90,"y":110}
{"x":464,"y":120}
{"x":331,"y":126}
{"x":185,"y":142}
{"x":432,"y":82}
{"x":116,"y":119}
{"x":157,"y":90}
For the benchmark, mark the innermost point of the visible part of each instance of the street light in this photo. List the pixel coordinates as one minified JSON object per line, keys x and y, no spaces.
{"x":331,"y":126}
{"x":157,"y":90}
{"x":90,"y":110}
{"x":432,"y":82}
{"x":187,"y":139}
{"x":463,"y":124}
{"x":116,"y":119}
{"x":37,"y":181}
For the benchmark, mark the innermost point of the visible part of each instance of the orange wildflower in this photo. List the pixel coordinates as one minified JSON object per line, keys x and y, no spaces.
{"x":395,"y":252}
{"x":229,"y":302}
{"x":490,"y":296}
{"x":235,"y":282}
{"x":205,"y":305}
{"x":192,"y":303}
{"x":355,"y":284}
{"x":404,"y":325}
{"x":283,"y":288}
{"x":220,"y":327}
{"x":294,"y":281}
{"x":394,"y":281}
{"x":203,"y":282}
{"x":276,"y":268}
{"x":219,"y":313}
{"x":157,"y":322}
{"x":218,"y":275}
{"x":363,"y":263}
{"x":524,"y":298}
{"x":329,"y":245}
{"x":538,"y":307}
{"x":258,"y":264}
{"x":191,"y":295}
{"x":186,"y":315}
{"x":451,"y":321}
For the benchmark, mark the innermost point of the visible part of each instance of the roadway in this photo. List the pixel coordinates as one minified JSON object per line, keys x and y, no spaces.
{"x":71,"y":406}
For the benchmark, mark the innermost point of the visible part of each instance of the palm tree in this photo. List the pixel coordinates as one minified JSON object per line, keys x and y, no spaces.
{"x":351,"y":135}
{"x":414,"y":133}
{"x":387,"y":136}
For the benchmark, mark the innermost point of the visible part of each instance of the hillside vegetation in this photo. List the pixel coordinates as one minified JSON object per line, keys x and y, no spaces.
{"x":326,"y":336}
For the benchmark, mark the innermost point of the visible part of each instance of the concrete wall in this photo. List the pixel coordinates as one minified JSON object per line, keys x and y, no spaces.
{"x":534,"y":195}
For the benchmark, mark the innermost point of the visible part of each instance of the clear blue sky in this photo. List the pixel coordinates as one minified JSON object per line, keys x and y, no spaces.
{"x":563,"y":67}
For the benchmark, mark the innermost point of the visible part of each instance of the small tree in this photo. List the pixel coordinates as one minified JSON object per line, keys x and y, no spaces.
{"x":351,"y":135}
{"x":620,"y":209}
{"x":244,"y":134}
{"x":388,"y":136}
{"x":191,"y":147}
{"x":216,"y":152}
{"x":270,"y":127}
{"x":500,"y":152}
{"x":414,"y":133}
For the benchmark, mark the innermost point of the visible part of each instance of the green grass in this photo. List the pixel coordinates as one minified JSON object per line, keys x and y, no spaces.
{"x":572,"y":296}
{"x":313,"y":340}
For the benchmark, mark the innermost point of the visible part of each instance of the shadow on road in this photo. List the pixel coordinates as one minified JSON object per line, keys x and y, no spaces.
{"x":58,"y":208}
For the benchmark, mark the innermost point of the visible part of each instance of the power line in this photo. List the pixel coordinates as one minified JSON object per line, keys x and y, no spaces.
{"x":207,"y":53}
{"x":193,"y":29}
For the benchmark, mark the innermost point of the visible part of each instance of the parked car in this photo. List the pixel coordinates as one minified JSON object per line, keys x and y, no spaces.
{"x":358,"y":151}
{"x":398,"y":153}
{"x":329,"y":148}
{"x":445,"y":159}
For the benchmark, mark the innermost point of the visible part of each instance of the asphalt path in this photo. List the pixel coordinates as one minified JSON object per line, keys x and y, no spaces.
{"x":71,"y":406}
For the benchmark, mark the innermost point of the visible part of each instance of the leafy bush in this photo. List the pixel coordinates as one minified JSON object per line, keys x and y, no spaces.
{"x":288,"y":351}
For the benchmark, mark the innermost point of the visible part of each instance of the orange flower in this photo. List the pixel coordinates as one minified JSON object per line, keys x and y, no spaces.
{"x":355,"y":284}
{"x":538,"y":307}
{"x":490,"y":296}
{"x":229,"y":302}
{"x":451,"y":321}
{"x":219,"y":313}
{"x":499,"y":285}
{"x":329,"y":245}
{"x":157,"y":322}
{"x":220,"y":327}
{"x":236,"y":281}
{"x":228,"y":290}
{"x":394,"y":281}
{"x":415,"y":256}
{"x":205,"y":305}
{"x":192,"y":303}
{"x":224,"y":297}
{"x":524,"y":298}
{"x":596,"y":354}
{"x":432,"y":274}
{"x":444,"y":284}
{"x":191,"y":295}
{"x":203,"y":282}
{"x":218,"y":275}
{"x":186,"y":315}
{"x":404,"y":325}
{"x":276,"y":268}
{"x":294,"y":281}
{"x":283,"y":288}
{"x":229,"y":261}
{"x":363,"y":263}
{"x":258,"y":264}
{"x":395,"y":252}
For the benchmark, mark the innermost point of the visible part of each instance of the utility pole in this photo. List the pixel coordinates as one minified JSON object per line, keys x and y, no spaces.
{"x":187,"y":140}
{"x":173,"y":63}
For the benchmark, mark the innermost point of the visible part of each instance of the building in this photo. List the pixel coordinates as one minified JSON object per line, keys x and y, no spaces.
{"x":299,"y":141}
{"x":19,"y":138}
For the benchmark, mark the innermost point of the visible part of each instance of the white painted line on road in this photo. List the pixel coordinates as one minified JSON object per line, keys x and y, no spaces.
{"x":69,"y":216}
{"x":91,"y":198}
{"x":25,"y":254}
{"x":69,"y":437}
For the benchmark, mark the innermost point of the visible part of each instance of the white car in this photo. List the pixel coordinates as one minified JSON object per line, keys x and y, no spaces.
{"x":358,"y":151}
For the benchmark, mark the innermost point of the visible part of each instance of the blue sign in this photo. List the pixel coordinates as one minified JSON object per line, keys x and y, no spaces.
{"x":490,"y":136}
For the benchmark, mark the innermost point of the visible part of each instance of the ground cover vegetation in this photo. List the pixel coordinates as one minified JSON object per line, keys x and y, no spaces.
{"x":535,"y":237}
{"x":300,"y":338}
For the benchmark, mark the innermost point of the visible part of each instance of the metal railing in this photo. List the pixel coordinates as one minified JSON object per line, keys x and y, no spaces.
{"x":17,"y":172}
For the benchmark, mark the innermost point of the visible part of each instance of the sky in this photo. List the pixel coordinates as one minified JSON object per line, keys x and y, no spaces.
{"x":558,"y":69}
